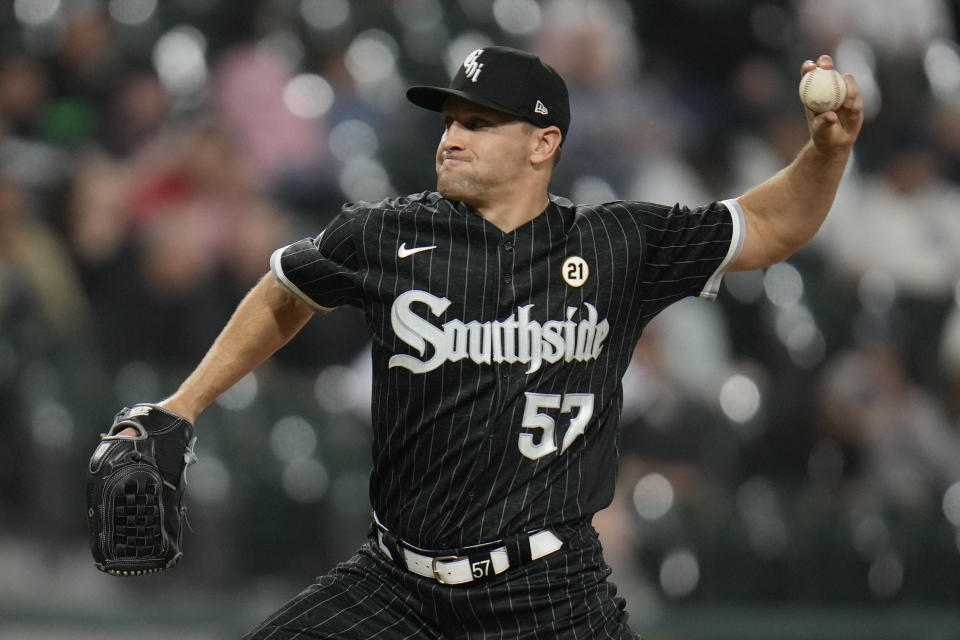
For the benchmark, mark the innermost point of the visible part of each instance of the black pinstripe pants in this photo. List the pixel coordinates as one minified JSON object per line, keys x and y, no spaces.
{"x":565,"y":595}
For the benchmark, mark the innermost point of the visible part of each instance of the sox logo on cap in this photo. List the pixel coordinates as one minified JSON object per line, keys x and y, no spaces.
{"x":471,"y":67}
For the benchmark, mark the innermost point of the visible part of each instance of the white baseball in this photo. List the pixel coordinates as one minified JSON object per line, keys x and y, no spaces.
{"x":822,"y":89}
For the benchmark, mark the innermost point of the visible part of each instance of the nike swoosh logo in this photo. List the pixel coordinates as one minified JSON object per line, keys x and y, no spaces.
{"x":403,"y":252}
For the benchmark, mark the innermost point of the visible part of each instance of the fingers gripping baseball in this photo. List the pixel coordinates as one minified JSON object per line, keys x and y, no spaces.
{"x":833,"y":129}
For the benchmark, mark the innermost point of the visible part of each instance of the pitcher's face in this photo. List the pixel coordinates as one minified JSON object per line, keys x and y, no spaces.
{"x":479,"y":151}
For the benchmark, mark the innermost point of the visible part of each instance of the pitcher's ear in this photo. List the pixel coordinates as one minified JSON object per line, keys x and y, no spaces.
{"x":548,"y":144}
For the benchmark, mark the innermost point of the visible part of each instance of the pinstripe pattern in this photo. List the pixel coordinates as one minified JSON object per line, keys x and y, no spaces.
{"x":564,"y":596}
{"x":481,"y":348}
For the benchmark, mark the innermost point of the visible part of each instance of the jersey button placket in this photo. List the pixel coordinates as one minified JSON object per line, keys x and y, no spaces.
{"x":507,"y":300}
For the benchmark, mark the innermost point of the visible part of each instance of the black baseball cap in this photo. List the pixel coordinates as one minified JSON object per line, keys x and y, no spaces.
{"x":508,"y":80}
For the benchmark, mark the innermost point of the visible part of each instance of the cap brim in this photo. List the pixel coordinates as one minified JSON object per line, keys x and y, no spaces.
{"x":432,"y":98}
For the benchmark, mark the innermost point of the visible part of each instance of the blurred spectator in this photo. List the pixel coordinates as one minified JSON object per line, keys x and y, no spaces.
{"x":625,"y":122}
{"x":41,"y":301}
{"x":253,"y":98}
{"x":908,"y":451}
{"x":896,"y":241}
{"x":663,"y":430}
{"x":24,"y":88}
{"x":139,"y":109}
{"x":28,"y":155}
{"x":950,"y":360}
{"x":901,"y":29}
{"x":44,"y":325}
{"x":772,"y":133}
{"x":192,"y":220}
{"x":86,"y":61}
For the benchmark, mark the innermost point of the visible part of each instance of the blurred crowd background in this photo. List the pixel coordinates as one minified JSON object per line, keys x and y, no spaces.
{"x":793,"y":447}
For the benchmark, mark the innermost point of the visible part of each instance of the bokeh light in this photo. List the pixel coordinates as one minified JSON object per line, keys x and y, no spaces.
{"x":885,"y":576}
{"x":941,"y":62}
{"x":653,"y":496}
{"x":353,"y":139}
{"x":132,"y":12}
{"x":951,"y":504}
{"x":35,"y":12}
{"x":293,"y":438}
{"x":308,"y":95}
{"x":179,"y":57}
{"x":305,"y":480}
{"x":241,"y":395}
{"x":325,"y":15}
{"x":679,"y":574}
{"x":209,"y":480}
{"x":517,"y":17}
{"x":52,"y":426}
{"x":783,"y":285}
{"x":740,"y":398}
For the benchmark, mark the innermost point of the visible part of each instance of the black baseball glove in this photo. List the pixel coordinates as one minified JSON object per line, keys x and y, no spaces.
{"x":135,"y":487}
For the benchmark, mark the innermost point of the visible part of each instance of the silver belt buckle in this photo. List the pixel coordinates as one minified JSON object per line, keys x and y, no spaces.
{"x":436,"y":573}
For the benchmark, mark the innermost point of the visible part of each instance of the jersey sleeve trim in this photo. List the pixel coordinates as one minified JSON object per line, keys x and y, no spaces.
{"x":276,"y":266}
{"x":712,"y":288}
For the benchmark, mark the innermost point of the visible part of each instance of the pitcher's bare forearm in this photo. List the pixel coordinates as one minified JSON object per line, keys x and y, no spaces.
{"x":784,"y":212}
{"x":265,"y":320}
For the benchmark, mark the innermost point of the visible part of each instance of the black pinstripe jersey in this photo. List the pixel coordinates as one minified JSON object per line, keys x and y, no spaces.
{"x":497,"y":357}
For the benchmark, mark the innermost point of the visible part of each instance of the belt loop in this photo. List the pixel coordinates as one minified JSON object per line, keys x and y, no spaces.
{"x":518,"y":549}
{"x":391,"y":542}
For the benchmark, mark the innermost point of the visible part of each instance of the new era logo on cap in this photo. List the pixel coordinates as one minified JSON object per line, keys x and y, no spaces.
{"x":508,"y":80}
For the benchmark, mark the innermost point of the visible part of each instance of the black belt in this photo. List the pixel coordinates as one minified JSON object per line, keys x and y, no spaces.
{"x":476,"y":563}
